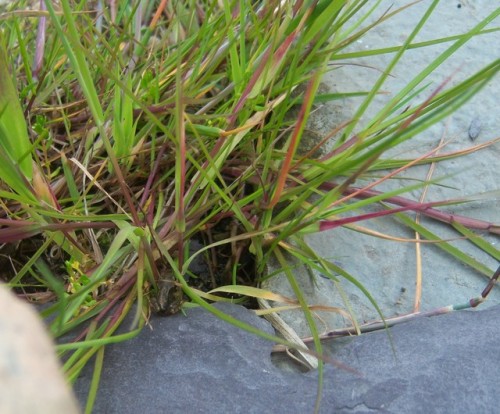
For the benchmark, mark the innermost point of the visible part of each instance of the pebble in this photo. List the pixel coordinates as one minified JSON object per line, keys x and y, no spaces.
{"x":474,"y":129}
{"x":30,"y":374}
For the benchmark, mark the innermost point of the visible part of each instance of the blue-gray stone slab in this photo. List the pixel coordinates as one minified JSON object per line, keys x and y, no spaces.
{"x":199,"y":364}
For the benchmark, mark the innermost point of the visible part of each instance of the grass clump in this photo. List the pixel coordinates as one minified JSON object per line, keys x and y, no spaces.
{"x":138,"y":138}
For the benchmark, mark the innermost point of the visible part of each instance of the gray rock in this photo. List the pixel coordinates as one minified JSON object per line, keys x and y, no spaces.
{"x":388,"y":269}
{"x":475,"y":128}
{"x":442,"y":364}
{"x":30,"y":375}
{"x":199,"y":364}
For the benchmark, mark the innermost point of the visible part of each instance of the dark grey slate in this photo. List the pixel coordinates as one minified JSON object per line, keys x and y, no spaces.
{"x":199,"y":364}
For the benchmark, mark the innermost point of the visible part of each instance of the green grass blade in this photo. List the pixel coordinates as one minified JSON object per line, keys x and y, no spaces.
{"x":14,"y":140}
{"x":447,"y":247}
{"x":94,"y":385}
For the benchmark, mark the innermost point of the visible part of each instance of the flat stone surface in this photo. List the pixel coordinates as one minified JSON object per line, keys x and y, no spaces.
{"x":387,"y":269}
{"x":200,"y":364}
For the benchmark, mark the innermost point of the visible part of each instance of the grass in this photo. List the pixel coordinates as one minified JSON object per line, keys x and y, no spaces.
{"x":130,"y":135}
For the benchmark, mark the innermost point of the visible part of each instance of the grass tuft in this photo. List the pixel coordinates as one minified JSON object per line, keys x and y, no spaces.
{"x":138,"y":139}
